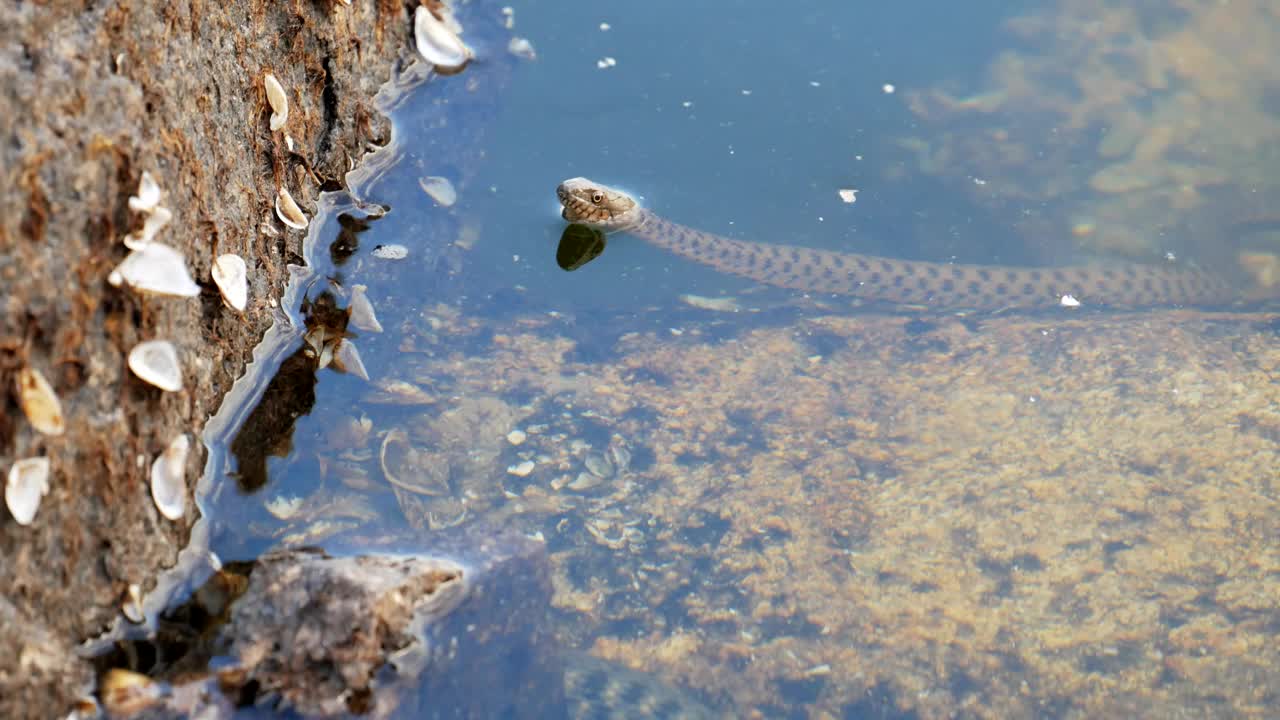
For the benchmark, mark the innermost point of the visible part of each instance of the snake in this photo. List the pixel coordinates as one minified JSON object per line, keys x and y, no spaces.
{"x":892,"y":280}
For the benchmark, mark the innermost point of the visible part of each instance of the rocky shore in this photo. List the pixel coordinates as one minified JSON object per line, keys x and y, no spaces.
{"x":94,"y":95}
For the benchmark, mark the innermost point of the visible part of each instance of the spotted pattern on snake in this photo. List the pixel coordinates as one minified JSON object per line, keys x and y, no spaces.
{"x":908,"y":282}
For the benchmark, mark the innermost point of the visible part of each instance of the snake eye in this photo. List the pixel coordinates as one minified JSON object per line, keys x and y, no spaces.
{"x":597,"y":197}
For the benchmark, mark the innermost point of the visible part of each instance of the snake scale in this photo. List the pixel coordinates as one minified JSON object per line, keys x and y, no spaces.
{"x":909,"y":282}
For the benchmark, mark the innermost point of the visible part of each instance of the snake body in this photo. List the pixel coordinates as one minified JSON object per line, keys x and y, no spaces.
{"x":912,"y":282}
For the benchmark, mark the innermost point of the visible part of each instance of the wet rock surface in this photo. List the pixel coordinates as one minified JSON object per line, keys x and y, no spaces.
{"x":457,"y":626}
{"x":94,"y":95}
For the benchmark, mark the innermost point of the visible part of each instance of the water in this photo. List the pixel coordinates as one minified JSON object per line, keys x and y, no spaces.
{"x":799,"y":507}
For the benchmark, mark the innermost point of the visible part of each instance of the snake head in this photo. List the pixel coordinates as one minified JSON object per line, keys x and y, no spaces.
{"x":598,"y":206}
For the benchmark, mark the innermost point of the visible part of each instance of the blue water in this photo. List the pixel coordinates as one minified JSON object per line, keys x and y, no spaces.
{"x":765,"y":165}
{"x":742,"y":118}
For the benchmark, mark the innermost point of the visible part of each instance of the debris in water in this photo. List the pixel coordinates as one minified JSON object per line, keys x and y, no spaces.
{"x":40,"y":403}
{"x":720,"y":304}
{"x":156,"y":362}
{"x":517,"y":437}
{"x":156,"y":269}
{"x":391,"y":252}
{"x":26,"y":485}
{"x":606,"y":62}
{"x":288,"y":211}
{"x":279,"y":102}
{"x":522,"y":469}
{"x":168,"y":478}
{"x":438,"y":42}
{"x":440,"y":190}
{"x":230,"y":274}
{"x":849,"y":195}
{"x":522,"y":48}
{"x":1069,"y":301}
{"x":346,"y":358}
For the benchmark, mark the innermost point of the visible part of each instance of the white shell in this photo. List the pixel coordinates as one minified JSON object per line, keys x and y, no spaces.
{"x":362,"y":314}
{"x":1069,"y":301}
{"x":156,"y":362}
{"x":27,"y":483}
{"x":440,"y":190}
{"x":437,"y":43}
{"x":346,"y":358}
{"x":279,"y":101}
{"x":168,"y":478}
{"x":157,"y":269}
{"x":230,"y":274}
{"x":159,"y":217}
{"x":148,"y":196}
{"x":288,"y":211}
{"x":40,"y":402}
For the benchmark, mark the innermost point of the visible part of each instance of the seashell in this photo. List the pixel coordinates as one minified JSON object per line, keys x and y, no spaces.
{"x":40,"y":402}
{"x":598,"y":465}
{"x":408,"y":468}
{"x":155,"y":221}
{"x":156,"y":362}
{"x":26,"y":485}
{"x":230,"y":274}
{"x":126,"y":693}
{"x":440,"y":190}
{"x":346,"y":358}
{"x":169,"y":478}
{"x":155,"y":269}
{"x":437,"y":43}
{"x":362,"y":315}
{"x":148,"y":196}
{"x":288,"y":211}
{"x":279,"y":101}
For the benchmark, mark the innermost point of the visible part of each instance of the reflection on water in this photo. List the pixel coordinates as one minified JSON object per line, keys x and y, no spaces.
{"x":786,"y":506}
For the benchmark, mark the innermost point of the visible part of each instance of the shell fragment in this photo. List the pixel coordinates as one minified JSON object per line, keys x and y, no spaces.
{"x":438,"y":43}
{"x":288,"y":211}
{"x":156,"y":362}
{"x":26,"y":485}
{"x":362,"y":314}
{"x":157,"y":269}
{"x":168,"y":478}
{"x":40,"y":402}
{"x":148,"y":197}
{"x":278,"y":100}
{"x":155,"y":222}
{"x":230,"y":274}
{"x":440,"y":190}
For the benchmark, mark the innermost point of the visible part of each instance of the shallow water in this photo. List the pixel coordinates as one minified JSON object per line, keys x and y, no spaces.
{"x":798,"y":507}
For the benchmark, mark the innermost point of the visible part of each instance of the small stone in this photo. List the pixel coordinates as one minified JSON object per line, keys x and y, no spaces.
{"x":522,"y":469}
{"x":522,"y":48}
{"x":516,"y":437}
